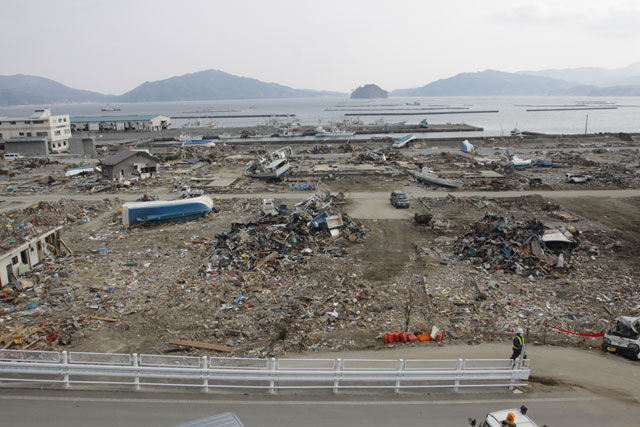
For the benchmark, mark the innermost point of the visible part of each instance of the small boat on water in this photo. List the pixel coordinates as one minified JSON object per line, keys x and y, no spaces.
{"x":109,"y":108}
{"x":429,"y":176}
{"x":333,"y":133}
{"x":516,"y":131}
{"x":416,"y":103}
{"x":199,"y":143}
{"x":160,"y":211}
{"x":271,"y":166}
{"x":227,"y":135}
{"x":192,"y":124}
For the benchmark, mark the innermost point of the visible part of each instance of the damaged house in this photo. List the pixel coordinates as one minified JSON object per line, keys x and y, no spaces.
{"x":26,"y":249}
{"x":129,"y":165}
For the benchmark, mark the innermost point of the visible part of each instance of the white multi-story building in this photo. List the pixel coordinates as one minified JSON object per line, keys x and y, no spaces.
{"x":41,"y":125}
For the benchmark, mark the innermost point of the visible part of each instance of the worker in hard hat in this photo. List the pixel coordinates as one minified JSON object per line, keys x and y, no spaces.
{"x":518,"y":344}
{"x":510,"y":420}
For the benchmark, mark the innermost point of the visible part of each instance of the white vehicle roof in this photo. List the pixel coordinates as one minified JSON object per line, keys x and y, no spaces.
{"x":494,"y":419}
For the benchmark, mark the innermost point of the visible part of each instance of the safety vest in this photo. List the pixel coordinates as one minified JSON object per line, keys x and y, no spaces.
{"x":520,"y":341}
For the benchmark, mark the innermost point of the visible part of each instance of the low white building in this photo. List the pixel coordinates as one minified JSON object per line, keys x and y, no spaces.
{"x":22,"y":255}
{"x":41,"y":125}
{"x":120,"y":123}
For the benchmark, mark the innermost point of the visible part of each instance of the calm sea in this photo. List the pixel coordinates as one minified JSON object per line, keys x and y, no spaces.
{"x":512,"y":112}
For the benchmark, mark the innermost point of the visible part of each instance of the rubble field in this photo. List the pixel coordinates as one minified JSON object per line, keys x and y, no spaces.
{"x":605,"y":161}
{"x":260,"y":285}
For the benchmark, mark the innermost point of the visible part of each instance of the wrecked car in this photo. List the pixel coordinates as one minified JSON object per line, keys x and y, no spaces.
{"x":624,"y":338}
{"x":577,"y":178}
{"x":400,"y":199}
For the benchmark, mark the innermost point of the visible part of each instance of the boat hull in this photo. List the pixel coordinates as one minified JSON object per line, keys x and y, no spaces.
{"x":269,"y":174}
{"x":431,"y":179}
{"x":155,"y":212}
{"x":199,"y":143}
{"x":402,"y":142}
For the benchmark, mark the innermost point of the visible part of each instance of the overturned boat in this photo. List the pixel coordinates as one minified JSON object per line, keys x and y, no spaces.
{"x":271,"y":166}
{"x":154,"y":212}
{"x":402,"y":142}
{"x":518,"y":163}
{"x":429,"y":176}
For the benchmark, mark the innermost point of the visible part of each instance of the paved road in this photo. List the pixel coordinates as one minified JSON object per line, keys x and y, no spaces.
{"x":301,"y":195}
{"x":606,"y":393}
{"x":98,"y":408}
{"x":365,"y":205}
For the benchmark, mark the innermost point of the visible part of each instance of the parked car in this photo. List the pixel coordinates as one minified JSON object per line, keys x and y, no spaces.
{"x":577,"y":178}
{"x":400,"y":199}
{"x":13,"y":156}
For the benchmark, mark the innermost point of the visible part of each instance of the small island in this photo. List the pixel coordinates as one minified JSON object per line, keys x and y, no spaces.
{"x":369,"y":91}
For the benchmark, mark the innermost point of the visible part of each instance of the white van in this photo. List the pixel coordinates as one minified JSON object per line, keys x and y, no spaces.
{"x":13,"y":156}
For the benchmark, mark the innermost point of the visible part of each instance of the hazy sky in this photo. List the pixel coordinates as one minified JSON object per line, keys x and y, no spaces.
{"x":112,"y":46}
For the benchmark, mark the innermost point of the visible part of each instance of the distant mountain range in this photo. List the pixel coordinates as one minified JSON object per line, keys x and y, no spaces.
{"x":201,"y":86}
{"x":488,"y":83}
{"x":213,"y":84}
{"x":627,"y":76}
{"x":498,"y":83}
{"x":22,"y":90}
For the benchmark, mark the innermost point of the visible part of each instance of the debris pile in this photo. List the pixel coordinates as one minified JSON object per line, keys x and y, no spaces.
{"x":502,"y":243}
{"x":283,"y":237}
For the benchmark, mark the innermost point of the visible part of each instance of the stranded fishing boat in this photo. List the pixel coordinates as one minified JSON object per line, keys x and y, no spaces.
{"x":199,"y":143}
{"x":429,"y":176}
{"x":517,"y":162}
{"x":271,"y":166}
{"x":109,"y":108}
{"x":402,"y":142}
{"x":143,"y":213}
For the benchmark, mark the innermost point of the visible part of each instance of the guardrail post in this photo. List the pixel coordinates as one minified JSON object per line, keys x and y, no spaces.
{"x":459,"y":367}
{"x":399,"y":368}
{"x":272,"y":367}
{"x":517,"y":365}
{"x":65,"y":369}
{"x":337,"y":375}
{"x":136,"y":379}
{"x":205,"y":374}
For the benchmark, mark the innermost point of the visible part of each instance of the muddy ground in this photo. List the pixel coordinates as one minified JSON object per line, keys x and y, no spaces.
{"x":151,"y":281}
{"x":153,"y":284}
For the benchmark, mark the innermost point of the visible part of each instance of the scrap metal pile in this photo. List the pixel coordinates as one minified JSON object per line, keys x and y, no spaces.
{"x":314,"y":227}
{"x":502,"y":243}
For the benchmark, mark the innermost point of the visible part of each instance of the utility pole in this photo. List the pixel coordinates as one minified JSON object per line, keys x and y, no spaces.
{"x":586,"y":122}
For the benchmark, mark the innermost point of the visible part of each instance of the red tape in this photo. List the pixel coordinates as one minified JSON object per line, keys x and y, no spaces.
{"x":574,"y":333}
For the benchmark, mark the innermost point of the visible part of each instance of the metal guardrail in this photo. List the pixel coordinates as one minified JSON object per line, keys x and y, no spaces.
{"x":133,"y":370}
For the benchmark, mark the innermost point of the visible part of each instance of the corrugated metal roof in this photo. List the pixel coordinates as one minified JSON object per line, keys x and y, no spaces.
{"x":103,"y":119}
{"x":124,"y":155}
